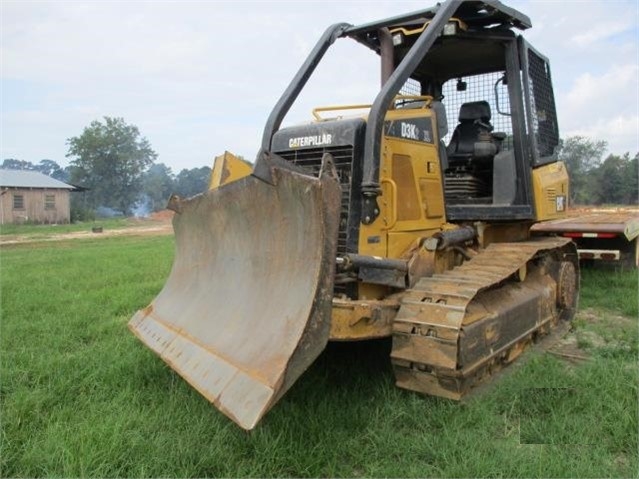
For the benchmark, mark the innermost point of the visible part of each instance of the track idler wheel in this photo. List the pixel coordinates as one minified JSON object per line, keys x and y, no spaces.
{"x":567,"y":290}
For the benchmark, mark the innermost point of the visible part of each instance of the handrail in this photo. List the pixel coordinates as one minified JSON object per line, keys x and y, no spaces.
{"x":427,"y":99}
{"x":393,"y":188}
{"x":408,"y":31}
{"x":318,"y":109}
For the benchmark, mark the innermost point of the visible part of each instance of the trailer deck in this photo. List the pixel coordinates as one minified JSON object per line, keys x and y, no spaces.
{"x":600,"y":234}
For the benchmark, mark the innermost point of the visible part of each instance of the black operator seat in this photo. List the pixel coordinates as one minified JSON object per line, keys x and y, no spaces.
{"x":473,"y":138}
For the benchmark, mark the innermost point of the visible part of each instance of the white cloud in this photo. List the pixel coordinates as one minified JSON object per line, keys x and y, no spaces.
{"x":598,"y":90}
{"x":604,"y":107}
{"x":601,"y":31}
{"x":621,"y":132}
{"x":593,"y":49}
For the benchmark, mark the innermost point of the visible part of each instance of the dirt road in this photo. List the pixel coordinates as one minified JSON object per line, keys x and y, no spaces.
{"x":157,"y":224}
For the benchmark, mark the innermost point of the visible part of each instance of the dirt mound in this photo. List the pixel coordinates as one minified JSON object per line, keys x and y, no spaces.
{"x":162,"y":215}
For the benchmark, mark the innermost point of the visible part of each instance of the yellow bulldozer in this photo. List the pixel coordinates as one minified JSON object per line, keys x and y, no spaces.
{"x":407,"y":218}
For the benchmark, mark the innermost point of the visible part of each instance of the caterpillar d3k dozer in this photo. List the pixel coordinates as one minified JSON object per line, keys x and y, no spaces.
{"x":383,"y":223}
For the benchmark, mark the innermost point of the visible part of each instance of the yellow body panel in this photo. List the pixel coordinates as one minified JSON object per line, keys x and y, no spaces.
{"x":227,"y":168}
{"x":550,"y":191}
{"x":411,"y":208}
{"x":412,"y":199}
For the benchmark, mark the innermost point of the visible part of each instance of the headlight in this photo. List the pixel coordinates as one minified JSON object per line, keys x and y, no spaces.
{"x":450,"y":28}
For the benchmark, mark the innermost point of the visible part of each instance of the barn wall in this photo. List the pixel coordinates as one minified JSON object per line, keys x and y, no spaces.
{"x":34,"y":210}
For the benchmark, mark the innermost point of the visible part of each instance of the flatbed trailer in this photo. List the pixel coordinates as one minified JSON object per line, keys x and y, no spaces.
{"x":608,"y":235}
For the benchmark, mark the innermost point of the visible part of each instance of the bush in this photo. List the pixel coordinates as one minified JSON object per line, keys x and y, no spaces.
{"x":81,"y":214}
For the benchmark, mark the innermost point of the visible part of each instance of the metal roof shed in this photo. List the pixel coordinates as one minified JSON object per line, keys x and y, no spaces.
{"x":33,"y":197}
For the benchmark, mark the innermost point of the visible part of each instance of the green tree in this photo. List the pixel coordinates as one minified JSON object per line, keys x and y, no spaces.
{"x":609,"y":183}
{"x":158,"y":184}
{"x":110,"y":158}
{"x":46,"y":166}
{"x":52,"y":169}
{"x":631,"y":177}
{"x":14,"y":164}
{"x":616,"y":181}
{"x":582,"y":156}
{"x":191,"y":182}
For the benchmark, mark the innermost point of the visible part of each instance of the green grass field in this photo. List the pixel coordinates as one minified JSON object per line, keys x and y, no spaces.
{"x":80,"y":396}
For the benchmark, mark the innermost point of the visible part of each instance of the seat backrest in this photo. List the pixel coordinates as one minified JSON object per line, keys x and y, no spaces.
{"x":467,"y":131}
{"x":475,"y":110}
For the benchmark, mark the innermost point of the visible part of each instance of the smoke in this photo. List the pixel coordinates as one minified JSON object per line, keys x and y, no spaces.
{"x":142,"y":208}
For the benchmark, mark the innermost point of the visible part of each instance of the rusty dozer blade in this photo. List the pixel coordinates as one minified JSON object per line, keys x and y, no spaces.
{"x":246,"y":308}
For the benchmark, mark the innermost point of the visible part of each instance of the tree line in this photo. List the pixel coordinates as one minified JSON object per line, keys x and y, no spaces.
{"x":116,"y":167}
{"x":598,"y":181}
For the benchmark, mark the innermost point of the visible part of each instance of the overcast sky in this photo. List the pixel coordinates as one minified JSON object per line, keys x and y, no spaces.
{"x":199,"y":78}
